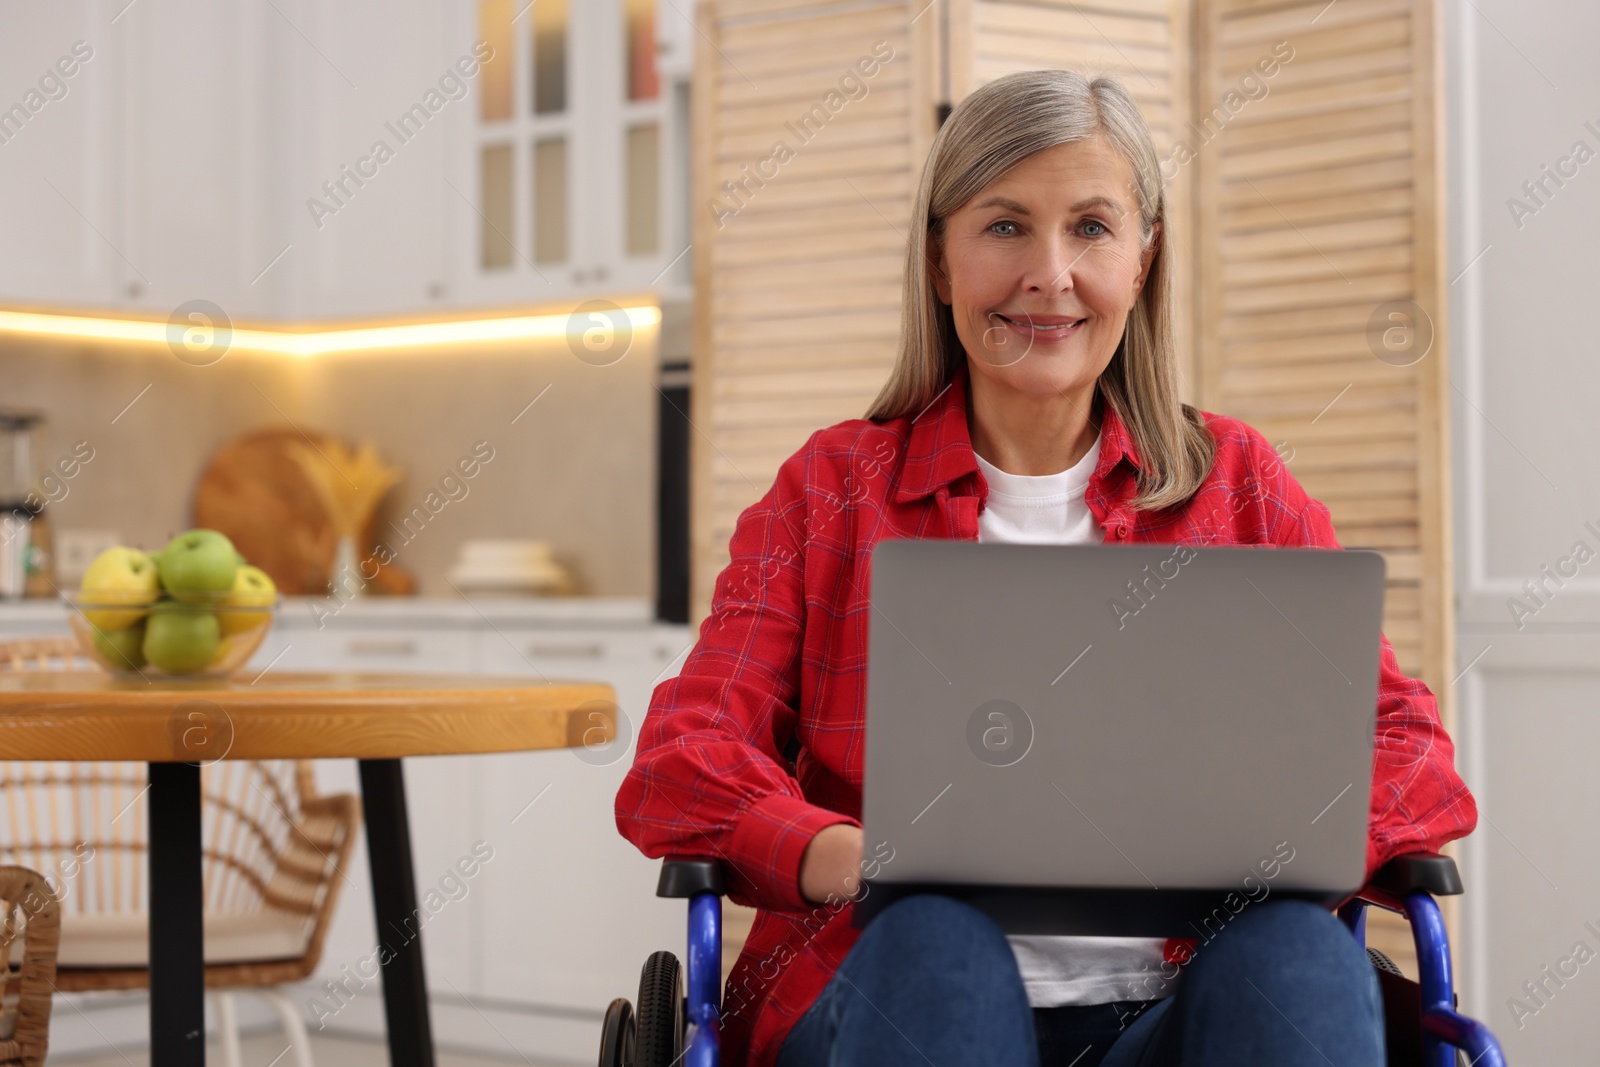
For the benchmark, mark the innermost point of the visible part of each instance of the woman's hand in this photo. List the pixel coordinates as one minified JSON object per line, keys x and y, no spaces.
{"x":831,"y":863}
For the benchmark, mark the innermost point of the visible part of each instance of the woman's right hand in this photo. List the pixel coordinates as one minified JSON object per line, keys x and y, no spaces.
{"x":831,"y":863}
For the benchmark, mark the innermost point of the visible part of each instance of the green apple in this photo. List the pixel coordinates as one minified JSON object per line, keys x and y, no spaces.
{"x":119,"y":575}
{"x":180,"y":638}
{"x":251,"y":588}
{"x":123,"y":649}
{"x":199,"y":566}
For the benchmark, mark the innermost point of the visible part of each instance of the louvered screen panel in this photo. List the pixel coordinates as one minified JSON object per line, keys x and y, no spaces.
{"x":798,"y":290}
{"x":1317,"y":204}
{"x":1133,"y":41}
{"x":1317,"y":207}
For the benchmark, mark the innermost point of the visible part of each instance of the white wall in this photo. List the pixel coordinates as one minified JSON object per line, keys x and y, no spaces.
{"x":1522,"y":85}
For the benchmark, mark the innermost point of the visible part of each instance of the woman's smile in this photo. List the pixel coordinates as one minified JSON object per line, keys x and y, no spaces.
{"x":1042,"y":329}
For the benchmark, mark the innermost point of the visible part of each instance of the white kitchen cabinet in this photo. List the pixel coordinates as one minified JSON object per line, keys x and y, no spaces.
{"x":560,"y":919}
{"x":196,"y":130}
{"x":227,"y":153}
{"x":575,"y":163}
{"x":57,"y":154}
{"x":563,"y":858}
{"x":367,"y":649}
{"x":549,"y":173}
{"x":364,"y":224}
{"x":150,"y":176}
{"x":32,"y":618}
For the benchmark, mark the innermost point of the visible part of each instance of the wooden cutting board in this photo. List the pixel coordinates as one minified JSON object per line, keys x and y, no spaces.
{"x":255,"y":492}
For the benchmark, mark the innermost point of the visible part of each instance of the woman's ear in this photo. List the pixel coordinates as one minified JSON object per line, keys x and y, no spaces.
{"x":935,"y":256}
{"x":1147,"y":257}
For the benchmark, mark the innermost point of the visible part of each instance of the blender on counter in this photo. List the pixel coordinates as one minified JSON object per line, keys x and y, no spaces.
{"x":17,"y":511}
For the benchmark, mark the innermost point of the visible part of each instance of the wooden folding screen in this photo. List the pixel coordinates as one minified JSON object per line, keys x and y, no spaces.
{"x":1320,"y":225}
{"x":804,"y":170}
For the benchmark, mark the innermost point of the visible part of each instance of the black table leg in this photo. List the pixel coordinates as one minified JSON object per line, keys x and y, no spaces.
{"x":394,"y":899}
{"x":177,"y":918}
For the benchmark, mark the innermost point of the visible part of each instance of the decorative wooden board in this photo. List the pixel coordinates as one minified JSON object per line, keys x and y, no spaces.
{"x":254,"y":491}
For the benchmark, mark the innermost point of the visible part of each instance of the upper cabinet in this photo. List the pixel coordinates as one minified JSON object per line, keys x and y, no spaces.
{"x":299,"y":161}
{"x":57,"y":148}
{"x":572,"y":175}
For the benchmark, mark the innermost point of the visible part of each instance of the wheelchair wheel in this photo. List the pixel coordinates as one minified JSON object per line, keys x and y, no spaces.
{"x":660,"y":1018}
{"x":617,"y":1036}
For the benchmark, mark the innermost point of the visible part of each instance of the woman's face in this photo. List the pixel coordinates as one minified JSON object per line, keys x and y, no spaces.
{"x":1053,"y":242}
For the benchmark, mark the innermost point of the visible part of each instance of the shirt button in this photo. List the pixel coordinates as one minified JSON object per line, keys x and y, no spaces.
{"x":1122,"y":532}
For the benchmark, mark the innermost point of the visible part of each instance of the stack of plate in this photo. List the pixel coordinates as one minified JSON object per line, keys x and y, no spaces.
{"x":507,"y":567}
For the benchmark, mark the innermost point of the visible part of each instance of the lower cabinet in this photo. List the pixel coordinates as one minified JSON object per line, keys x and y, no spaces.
{"x":534,"y":911}
{"x":452,"y":651}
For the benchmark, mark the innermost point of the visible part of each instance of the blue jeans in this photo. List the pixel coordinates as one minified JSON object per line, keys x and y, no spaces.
{"x":933,"y":981}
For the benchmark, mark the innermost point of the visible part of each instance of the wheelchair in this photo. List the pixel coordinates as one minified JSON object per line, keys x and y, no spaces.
{"x":675,"y":1019}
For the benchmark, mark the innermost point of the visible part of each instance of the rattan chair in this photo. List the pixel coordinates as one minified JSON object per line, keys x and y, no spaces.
{"x":31,"y":910}
{"x":43,"y":654}
{"x":274,"y":857}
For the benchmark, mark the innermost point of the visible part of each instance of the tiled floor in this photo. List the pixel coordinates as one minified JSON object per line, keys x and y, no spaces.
{"x":260,"y":1052}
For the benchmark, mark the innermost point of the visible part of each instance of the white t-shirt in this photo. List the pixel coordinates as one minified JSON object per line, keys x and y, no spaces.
{"x":1051,"y":509}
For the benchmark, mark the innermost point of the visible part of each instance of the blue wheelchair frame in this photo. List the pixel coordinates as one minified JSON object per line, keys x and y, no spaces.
{"x":1407,"y":884}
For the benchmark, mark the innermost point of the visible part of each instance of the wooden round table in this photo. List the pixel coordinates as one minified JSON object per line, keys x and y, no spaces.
{"x":178,"y":726}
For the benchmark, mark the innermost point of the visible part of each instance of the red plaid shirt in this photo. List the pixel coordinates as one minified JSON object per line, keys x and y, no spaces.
{"x":784,"y":650}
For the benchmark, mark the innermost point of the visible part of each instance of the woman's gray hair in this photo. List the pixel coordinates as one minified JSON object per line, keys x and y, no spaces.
{"x":989,"y":132}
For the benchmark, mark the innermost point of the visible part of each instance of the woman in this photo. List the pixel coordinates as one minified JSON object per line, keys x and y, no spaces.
{"x":1034,"y":399}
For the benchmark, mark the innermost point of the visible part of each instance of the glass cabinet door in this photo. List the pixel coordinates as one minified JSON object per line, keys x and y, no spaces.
{"x":652,"y":130}
{"x":575,"y":159}
{"x":529,"y":112}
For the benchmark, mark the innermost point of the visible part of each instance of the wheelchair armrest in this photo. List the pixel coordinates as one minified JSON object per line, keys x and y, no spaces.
{"x":1425,"y":872}
{"x":688,"y":877}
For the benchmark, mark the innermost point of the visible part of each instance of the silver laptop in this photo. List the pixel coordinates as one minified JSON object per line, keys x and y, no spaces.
{"x":1112,"y":739}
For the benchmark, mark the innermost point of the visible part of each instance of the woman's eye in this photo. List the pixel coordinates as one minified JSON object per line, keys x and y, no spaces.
{"x":1003,"y":222}
{"x":1102,"y":228}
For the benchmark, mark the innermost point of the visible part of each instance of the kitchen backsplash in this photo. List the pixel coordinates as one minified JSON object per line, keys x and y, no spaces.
{"x":572,"y":444}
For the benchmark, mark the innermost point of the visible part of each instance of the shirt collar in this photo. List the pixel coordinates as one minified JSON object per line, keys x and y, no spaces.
{"x":939,"y":450}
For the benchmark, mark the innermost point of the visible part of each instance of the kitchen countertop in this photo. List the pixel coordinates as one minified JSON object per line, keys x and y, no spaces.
{"x":445,"y":612}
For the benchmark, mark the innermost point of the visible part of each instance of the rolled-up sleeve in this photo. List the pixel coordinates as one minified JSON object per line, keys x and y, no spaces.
{"x":707,"y":778}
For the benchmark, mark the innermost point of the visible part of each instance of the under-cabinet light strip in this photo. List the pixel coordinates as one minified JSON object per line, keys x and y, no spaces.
{"x":319,"y":342}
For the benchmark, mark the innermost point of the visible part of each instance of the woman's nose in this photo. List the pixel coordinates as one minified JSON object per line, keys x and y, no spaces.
{"x":1050,"y":265}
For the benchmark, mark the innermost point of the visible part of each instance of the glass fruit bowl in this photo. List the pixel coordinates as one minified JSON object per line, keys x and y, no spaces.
{"x":200,"y":636}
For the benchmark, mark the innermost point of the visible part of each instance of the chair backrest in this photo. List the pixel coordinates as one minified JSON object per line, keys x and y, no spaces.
{"x":30,"y":912}
{"x":43,"y":654}
{"x":85,"y":826}
{"x":268,"y":839}
{"x":82,"y":825}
